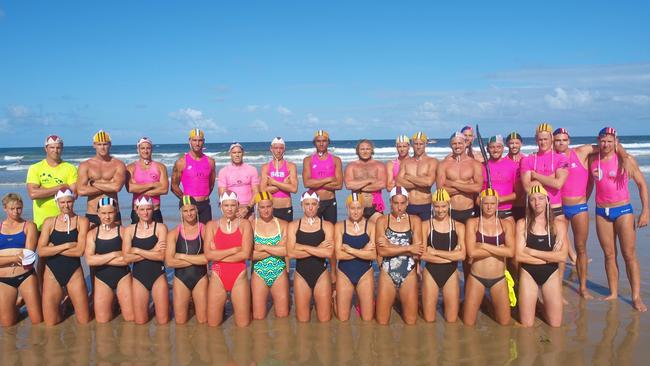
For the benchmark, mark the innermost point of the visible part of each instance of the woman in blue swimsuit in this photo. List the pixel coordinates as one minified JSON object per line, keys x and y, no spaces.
{"x":399,"y":242}
{"x":17,"y":234}
{"x":62,"y":242}
{"x":354,"y":245}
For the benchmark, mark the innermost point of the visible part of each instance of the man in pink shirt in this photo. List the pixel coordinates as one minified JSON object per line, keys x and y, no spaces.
{"x":147,"y":177}
{"x":514,"y":142}
{"x":240,"y":178}
{"x":503,"y":175}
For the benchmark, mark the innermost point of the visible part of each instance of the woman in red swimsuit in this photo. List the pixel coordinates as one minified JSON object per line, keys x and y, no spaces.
{"x":229,"y":243}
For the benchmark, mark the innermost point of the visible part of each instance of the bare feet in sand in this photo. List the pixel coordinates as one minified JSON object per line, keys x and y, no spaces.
{"x":639,"y":305}
{"x":585,"y":294}
{"x":610,"y":297}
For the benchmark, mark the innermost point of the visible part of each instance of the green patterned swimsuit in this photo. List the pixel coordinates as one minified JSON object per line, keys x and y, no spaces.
{"x":269,"y":268}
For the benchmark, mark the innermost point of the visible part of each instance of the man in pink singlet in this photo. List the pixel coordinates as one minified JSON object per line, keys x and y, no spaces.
{"x":280,"y":178}
{"x":196,"y":172}
{"x":147,"y":177}
{"x":514,"y":141}
{"x":367,"y":177}
{"x":323,"y":172}
{"x":503,"y":174}
{"x":240,"y":178}
{"x":403,"y":147}
{"x":614,"y":214}
{"x":575,"y":194}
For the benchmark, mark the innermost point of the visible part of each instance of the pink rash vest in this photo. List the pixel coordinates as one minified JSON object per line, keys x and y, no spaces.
{"x":546,"y":163}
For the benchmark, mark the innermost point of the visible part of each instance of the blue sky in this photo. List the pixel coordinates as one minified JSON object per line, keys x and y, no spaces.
{"x":249,"y":71}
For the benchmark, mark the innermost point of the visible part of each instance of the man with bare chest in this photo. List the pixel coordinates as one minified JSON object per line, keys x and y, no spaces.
{"x":462,"y":177}
{"x":367,"y":177}
{"x":100,"y":175}
{"x":417,"y":174}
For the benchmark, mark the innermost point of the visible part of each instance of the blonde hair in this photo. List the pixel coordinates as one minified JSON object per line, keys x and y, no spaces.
{"x":11,"y":197}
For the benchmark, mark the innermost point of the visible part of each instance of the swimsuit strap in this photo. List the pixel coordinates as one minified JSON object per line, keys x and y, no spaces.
{"x":365,"y":229}
{"x":135,"y":230}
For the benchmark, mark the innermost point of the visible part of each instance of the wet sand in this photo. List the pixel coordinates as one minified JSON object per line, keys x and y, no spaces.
{"x":594,"y":332}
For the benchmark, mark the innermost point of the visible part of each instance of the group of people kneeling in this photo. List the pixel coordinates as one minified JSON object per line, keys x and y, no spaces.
{"x":210,"y":262}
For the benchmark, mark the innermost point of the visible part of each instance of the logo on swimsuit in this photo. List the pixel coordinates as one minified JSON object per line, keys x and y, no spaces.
{"x":189,"y":167}
{"x":277,"y":174}
{"x":573,"y":165}
{"x":314,"y":166}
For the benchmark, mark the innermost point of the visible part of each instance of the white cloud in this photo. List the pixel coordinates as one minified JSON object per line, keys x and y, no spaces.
{"x":18,"y":111}
{"x":311,"y":119}
{"x":637,"y":99}
{"x":259,"y":125}
{"x":284,"y":111}
{"x":256,"y":107}
{"x":566,"y":100}
{"x":427,"y":111}
{"x":195,"y":118}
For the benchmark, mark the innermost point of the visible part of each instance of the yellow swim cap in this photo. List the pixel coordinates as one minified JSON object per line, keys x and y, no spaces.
{"x":197,"y":132}
{"x":489,"y":192}
{"x":420,"y":136}
{"x":544,"y":127}
{"x":263,"y":196}
{"x":537,"y":189}
{"x":354,"y":197}
{"x":102,"y":136}
{"x":322,"y":133}
{"x":440,"y":195}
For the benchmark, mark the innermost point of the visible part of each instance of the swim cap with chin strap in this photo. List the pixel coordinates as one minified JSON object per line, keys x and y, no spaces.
{"x":466,"y":128}
{"x":143,"y":201}
{"x":196,"y":132}
{"x":440,"y":195}
{"x":263,"y":196}
{"x":106,"y":201}
{"x":354,"y":197}
{"x":322,"y":133}
{"x":397,"y":190}
{"x":63,"y":193}
{"x":277,"y":140}
{"x":186,"y":201}
{"x":456,"y":135}
{"x":607,"y":131}
{"x":228,"y":195}
{"x":309,"y":195}
{"x":101,"y":136}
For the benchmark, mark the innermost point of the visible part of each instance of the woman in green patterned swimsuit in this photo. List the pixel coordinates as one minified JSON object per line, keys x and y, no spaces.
{"x":268,"y":260}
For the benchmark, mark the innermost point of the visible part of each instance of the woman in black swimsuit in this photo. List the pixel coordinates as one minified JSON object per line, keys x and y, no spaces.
{"x":311,"y":241}
{"x":62,"y":242}
{"x":445,"y":239}
{"x":490,"y":240}
{"x":144,"y":245}
{"x":539,"y":253}
{"x":112,"y":274}
{"x":16,"y":276}
{"x":185,"y":254}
